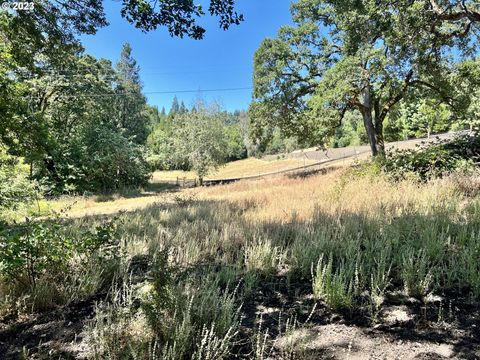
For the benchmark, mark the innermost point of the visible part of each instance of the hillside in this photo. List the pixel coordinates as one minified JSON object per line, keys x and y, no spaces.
{"x":242,"y":255}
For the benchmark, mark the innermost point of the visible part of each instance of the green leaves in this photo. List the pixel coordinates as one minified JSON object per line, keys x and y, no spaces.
{"x":179,"y":17}
{"x":359,"y":56}
{"x":435,"y":160}
{"x":44,"y":248}
{"x":199,"y":139}
{"x":15,"y":187}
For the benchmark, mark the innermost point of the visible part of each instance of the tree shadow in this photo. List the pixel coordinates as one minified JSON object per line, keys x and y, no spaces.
{"x":284,"y":296}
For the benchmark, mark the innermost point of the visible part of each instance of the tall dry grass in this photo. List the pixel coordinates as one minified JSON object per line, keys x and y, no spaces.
{"x":353,"y":238}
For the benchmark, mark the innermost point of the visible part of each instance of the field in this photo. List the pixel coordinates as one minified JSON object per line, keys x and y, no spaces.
{"x":165,"y":180}
{"x":241,"y":168}
{"x":350,"y":229}
{"x":334,"y":265}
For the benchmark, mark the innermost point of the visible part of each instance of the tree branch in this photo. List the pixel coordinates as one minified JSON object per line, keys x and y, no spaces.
{"x":445,"y":15}
{"x":395,"y":99}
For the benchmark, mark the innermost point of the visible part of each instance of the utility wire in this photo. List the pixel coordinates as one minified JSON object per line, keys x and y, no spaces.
{"x":199,"y":90}
{"x":158,"y":92}
{"x":59,"y":72}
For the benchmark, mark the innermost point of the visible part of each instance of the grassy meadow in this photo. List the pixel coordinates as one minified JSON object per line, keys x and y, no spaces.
{"x":158,"y":188}
{"x":330,"y":203}
{"x":245,"y":268}
{"x":239,"y":168}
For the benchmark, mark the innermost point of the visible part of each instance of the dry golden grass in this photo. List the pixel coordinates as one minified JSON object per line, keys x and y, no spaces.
{"x":77,"y":207}
{"x":240,"y":168}
{"x":354,"y":239}
{"x":80,"y":206}
{"x":284,"y":197}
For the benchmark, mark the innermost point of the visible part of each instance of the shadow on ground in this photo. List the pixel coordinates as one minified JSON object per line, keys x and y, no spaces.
{"x":414,"y":331}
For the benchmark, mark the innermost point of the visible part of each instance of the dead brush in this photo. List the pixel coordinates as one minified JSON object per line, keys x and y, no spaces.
{"x":467,"y":184}
{"x":185,"y":199}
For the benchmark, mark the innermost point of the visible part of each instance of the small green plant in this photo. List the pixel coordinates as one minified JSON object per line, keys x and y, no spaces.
{"x":212,"y":347}
{"x":44,"y":262}
{"x":261,"y":256}
{"x":189,"y":318}
{"x":44,"y":247}
{"x":379,"y":281}
{"x":260,"y":343}
{"x":335,"y":287}
{"x":303,"y":253}
{"x":416,"y":273}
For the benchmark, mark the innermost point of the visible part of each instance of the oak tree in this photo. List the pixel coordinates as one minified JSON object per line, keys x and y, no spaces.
{"x":358,"y":55}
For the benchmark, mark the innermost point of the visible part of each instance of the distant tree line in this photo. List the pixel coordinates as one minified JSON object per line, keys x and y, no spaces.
{"x":171,"y":134}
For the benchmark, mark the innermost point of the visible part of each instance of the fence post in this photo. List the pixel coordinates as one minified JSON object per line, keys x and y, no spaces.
{"x":177,"y":181}
{"x":184,"y":181}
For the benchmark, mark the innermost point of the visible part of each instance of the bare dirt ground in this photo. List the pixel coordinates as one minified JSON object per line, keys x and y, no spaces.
{"x":405,"y":328}
{"x":295,"y":326}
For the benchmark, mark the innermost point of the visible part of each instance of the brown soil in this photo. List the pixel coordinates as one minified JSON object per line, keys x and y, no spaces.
{"x":298,"y":327}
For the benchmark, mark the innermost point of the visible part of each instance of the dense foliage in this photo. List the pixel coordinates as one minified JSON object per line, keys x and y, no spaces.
{"x":63,"y":18}
{"x":45,"y":248}
{"x":171,"y":135}
{"x":58,"y":108}
{"x":343,"y":56}
{"x":443,"y":157}
{"x":15,"y":187}
{"x":45,"y":264}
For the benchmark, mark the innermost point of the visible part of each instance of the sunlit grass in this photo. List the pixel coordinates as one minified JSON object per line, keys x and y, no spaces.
{"x":349,"y":240}
{"x":78,"y":206}
{"x":234,"y":169}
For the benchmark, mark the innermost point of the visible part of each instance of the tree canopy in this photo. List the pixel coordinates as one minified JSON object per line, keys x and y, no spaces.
{"x":63,"y":19}
{"x":179,"y":17}
{"x":200,"y":139}
{"x":362,"y":56}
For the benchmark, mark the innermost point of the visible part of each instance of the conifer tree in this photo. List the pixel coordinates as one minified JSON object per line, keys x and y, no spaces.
{"x":131,"y":103}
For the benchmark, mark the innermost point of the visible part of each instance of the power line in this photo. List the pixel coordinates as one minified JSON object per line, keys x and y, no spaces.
{"x":199,"y":90}
{"x":159,"y":92}
{"x":70,"y":72}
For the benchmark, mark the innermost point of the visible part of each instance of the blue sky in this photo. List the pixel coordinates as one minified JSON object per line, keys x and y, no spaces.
{"x":224,"y":59}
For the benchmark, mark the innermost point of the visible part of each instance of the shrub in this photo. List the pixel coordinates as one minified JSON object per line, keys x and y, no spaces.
{"x":177,"y":320}
{"x":100,"y":159}
{"x":41,"y":256}
{"x":435,"y":160}
{"x":337,"y":287}
{"x":15,"y":188}
{"x":110,"y":161}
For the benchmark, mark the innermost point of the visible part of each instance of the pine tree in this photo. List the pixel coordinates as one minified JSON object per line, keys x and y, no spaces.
{"x":131,"y":102}
{"x":183,"y":108}
{"x":175,"y":106}
{"x":127,"y":69}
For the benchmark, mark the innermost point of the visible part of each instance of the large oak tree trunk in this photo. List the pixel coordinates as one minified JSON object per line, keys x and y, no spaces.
{"x":379,"y":134}
{"x":374,"y":132}
{"x":368,"y":123}
{"x":374,"y":129}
